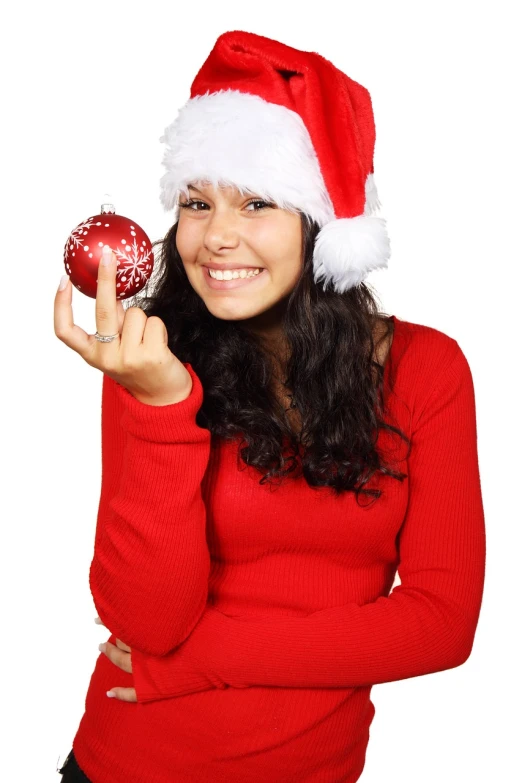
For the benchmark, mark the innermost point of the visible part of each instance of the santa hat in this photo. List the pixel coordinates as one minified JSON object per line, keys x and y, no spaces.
{"x":290,"y":127}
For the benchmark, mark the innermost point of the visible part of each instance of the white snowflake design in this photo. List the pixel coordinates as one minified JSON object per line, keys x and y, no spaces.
{"x":76,"y":236}
{"x":133,"y":263}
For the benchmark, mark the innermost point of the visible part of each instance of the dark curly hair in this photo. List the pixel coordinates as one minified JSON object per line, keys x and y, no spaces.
{"x":332,"y":376}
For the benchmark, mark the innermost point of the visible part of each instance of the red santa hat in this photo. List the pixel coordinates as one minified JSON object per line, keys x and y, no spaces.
{"x":290,"y":127}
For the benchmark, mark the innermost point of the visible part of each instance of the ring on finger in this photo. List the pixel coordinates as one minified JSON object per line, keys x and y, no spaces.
{"x":104,"y":338}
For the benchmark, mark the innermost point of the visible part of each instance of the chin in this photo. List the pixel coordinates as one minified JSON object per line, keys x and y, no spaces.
{"x":235,"y":312}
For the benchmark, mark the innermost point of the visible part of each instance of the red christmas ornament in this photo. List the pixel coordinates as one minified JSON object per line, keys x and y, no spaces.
{"x":131,"y":245}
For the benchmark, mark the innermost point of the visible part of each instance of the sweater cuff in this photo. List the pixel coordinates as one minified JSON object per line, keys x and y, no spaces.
{"x":174,"y":423}
{"x":168,"y":676}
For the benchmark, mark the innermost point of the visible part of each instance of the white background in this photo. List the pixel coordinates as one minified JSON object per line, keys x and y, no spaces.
{"x":87,"y":90}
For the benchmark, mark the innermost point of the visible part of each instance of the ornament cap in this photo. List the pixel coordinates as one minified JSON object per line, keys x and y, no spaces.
{"x":107,"y":207}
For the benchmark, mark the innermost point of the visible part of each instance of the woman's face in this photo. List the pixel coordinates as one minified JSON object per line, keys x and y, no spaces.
{"x":222,"y":228}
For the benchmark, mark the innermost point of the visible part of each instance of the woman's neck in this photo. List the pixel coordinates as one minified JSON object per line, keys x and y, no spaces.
{"x":267,"y":328}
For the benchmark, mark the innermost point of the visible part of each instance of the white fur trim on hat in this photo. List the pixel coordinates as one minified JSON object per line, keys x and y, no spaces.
{"x":236,"y":138}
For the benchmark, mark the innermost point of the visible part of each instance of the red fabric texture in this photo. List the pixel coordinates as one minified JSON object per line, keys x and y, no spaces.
{"x":336,"y":110}
{"x":259,"y":619}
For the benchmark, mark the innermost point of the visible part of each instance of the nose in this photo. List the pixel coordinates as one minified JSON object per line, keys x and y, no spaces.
{"x":221,"y":232}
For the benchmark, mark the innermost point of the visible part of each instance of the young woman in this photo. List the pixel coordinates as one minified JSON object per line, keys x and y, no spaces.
{"x":274,"y":452}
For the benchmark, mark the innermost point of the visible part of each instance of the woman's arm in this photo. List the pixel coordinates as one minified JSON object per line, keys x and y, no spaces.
{"x":426,"y":624}
{"x":149,"y":573}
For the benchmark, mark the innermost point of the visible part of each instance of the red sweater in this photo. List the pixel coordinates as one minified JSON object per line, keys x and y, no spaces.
{"x":260,"y":618}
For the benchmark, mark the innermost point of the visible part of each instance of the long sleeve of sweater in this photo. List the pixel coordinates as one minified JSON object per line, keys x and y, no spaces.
{"x":149,"y":572}
{"x":426,"y":624}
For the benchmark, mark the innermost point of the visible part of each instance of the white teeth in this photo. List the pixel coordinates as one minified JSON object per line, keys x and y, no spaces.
{"x":233,"y":274}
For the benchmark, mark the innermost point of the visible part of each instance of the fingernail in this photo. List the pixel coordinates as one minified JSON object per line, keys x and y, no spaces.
{"x":106,"y":255}
{"x":98,"y":621}
{"x":63,"y":282}
{"x":110,"y":694}
{"x":101,"y":647}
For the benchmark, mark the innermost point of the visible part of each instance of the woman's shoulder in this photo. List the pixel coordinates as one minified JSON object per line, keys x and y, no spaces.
{"x":419,"y":359}
{"x":422,"y":341}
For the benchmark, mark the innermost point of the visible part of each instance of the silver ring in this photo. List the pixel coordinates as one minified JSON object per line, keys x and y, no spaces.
{"x":105,"y":338}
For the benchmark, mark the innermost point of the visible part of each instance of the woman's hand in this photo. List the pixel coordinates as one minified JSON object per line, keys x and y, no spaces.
{"x":139,"y":358}
{"x":119,"y":654}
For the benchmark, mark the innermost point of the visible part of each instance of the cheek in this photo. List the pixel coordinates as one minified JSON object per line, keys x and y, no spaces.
{"x":187,"y":240}
{"x":289,"y":257}
{"x":278,"y":246}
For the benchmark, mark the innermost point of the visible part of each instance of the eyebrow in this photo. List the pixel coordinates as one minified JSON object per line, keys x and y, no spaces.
{"x":191,"y":187}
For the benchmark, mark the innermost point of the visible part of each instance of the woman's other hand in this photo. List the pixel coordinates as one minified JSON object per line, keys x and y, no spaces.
{"x":119,"y":654}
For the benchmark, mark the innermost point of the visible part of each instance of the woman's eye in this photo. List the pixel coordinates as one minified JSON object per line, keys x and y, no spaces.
{"x":189,"y":204}
{"x":264,"y":204}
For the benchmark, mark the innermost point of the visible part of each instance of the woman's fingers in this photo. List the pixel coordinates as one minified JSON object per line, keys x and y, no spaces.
{"x":122,"y":645}
{"x":111,"y":318}
{"x":123,"y":694}
{"x":119,"y":657}
{"x":64,"y":327}
{"x":107,"y":319}
{"x":109,"y":311}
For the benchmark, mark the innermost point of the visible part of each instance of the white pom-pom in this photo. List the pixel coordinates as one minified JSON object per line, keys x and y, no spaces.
{"x":348,"y":249}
